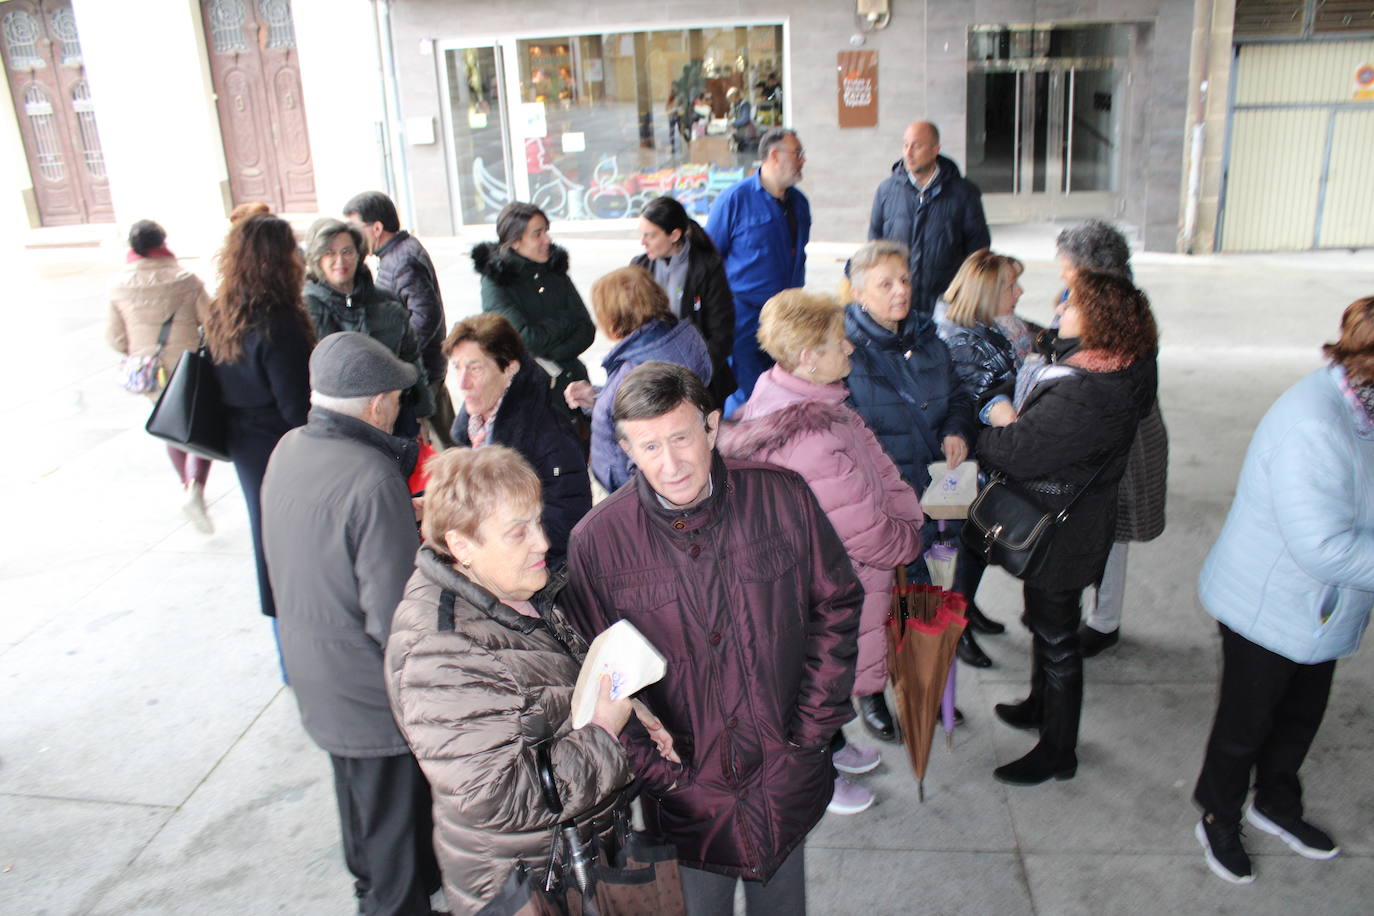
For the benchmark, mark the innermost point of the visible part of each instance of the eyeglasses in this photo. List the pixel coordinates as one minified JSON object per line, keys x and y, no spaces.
{"x":798,"y":152}
{"x":346,"y":254}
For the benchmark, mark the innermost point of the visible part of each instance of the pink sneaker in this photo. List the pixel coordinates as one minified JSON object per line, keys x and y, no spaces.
{"x":856,"y":758}
{"x":849,"y":798}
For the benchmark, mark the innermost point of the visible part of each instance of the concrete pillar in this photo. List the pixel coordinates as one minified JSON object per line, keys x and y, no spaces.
{"x":155,"y":110}
{"x":342,"y":85}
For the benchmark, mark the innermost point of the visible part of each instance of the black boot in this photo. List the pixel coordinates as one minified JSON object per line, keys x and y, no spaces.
{"x":1092,"y":642}
{"x":1042,"y":763}
{"x":982,"y":623}
{"x":1054,"y":621}
{"x":967,"y":576}
{"x":1029,"y":713}
{"x":873,"y":711}
{"x":970,"y":653}
{"x":1026,"y":714}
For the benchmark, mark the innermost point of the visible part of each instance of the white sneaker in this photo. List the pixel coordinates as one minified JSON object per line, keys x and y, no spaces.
{"x":194,"y":508}
{"x":849,"y":798}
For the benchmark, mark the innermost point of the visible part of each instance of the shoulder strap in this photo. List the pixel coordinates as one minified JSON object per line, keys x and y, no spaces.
{"x":445,"y":622}
{"x":164,"y":331}
{"x":1064,"y":512}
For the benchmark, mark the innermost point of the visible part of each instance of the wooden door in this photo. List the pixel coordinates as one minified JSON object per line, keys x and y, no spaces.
{"x":256,"y":75}
{"x":52,"y":101}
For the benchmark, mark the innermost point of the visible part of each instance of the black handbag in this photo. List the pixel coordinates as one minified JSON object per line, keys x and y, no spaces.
{"x":1007,"y":528}
{"x":189,"y":413}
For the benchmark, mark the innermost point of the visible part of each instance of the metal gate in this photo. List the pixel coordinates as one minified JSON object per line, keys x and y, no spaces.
{"x":1298,"y":164}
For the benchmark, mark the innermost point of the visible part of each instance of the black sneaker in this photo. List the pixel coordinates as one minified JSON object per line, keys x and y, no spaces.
{"x":1301,"y":837}
{"x":1226,"y":857}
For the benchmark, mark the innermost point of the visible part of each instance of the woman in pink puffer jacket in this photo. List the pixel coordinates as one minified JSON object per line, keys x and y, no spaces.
{"x":797,"y":418}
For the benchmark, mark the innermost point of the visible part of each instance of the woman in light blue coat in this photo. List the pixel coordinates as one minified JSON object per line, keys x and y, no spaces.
{"x":1291,"y":583}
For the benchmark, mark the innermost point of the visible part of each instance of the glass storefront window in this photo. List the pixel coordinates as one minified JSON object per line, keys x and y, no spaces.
{"x":601,"y":124}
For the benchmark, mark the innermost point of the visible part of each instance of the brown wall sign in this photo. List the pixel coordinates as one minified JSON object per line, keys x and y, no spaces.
{"x":857,"y":72}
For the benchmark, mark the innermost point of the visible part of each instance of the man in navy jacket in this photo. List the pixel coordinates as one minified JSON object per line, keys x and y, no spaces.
{"x":760,"y":227}
{"x":927,"y":205}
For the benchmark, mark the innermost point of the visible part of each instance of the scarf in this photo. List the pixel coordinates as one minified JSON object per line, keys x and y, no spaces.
{"x":161,"y":251}
{"x":1365,"y":394}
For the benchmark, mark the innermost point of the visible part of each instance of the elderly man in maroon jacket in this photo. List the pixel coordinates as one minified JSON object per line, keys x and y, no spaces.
{"x":732,"y":571}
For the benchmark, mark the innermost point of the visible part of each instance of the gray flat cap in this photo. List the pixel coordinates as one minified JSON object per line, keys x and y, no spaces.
{"x":353,"y":365}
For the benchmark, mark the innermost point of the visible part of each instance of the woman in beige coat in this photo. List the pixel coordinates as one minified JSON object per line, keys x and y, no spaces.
{"x":153,"y":289}
{"x":480,"y":669}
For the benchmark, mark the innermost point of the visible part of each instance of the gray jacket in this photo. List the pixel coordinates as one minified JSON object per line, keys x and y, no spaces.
{"x":339,"y":533}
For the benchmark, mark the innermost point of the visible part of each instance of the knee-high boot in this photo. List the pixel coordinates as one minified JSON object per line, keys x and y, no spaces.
{"x":1063,"y":698}
{"x":1054,"y":624}
{"x":1029,"y":713}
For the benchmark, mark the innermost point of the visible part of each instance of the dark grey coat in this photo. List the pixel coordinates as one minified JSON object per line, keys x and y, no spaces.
{"x":339,"y":534}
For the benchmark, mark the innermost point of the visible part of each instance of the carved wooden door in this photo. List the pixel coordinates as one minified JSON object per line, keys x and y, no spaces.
{"x":52,"y":99}
{"x":256,"y":76}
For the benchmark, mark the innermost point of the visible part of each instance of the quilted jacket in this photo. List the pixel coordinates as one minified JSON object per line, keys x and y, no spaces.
{"x":150,"y":290}
{"x":1293,"y":568}
{"x":751,"y":598}
{"x":679,"y":343}
{"x":474,"y":687}
{"x":797,"y":424}
{"x":376,"y":312}
{"x":941,"y":227}
{"x":904,"y":386}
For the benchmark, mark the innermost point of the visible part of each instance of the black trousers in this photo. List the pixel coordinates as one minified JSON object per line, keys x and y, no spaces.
{"x":1267,"y":715}
{"x":388,"y":833}
{"x":1056,"y":663}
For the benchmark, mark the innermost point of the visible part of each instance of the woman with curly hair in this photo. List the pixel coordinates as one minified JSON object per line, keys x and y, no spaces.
{"x":1097,"y":245}
{"x":1064,"y":439}
{"x":260,"y":338}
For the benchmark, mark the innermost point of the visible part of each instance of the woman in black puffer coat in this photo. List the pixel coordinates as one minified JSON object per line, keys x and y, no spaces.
{"x":1073,"y":417}
{"x":340,"y":296}
{"x":525,"y":280}
{"x":986,"y":289}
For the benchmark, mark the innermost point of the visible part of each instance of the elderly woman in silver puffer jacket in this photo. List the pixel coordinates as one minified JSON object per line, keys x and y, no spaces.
{"x":480,"y":669}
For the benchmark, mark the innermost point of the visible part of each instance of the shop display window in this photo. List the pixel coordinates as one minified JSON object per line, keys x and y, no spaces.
{"x":595,"y":126}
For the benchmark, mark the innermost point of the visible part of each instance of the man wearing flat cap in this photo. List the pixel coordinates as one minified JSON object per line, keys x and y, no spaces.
{"x":338,"y":530}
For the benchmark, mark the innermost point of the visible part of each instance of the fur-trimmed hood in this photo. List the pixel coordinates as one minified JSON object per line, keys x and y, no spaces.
{"x":764,"y":435}
{"x":503,"y":266}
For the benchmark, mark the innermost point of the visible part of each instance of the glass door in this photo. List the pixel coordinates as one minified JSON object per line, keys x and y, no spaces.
{"x":1045,"y":118}
{"x":478,"y":151}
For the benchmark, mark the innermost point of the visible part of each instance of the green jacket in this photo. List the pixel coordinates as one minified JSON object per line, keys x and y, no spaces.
{"x":541,"y":302}
{"x":377,"y":313}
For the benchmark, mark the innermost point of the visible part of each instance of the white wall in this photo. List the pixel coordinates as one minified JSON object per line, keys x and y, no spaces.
{"x":341,"y":82}
{"x":155,"y":111}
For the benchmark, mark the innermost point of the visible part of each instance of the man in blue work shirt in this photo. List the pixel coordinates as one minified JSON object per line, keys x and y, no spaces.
{"x":760,"y":227}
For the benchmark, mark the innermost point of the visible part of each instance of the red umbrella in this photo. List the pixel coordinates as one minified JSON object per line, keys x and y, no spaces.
{"x":922,"y":634}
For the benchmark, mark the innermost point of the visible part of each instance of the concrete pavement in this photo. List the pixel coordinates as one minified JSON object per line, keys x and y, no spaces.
{"x":151,"y":761}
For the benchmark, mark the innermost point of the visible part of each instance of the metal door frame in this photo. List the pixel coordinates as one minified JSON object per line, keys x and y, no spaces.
{"x":1057,"y":200}
{"x":455,"y":188}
